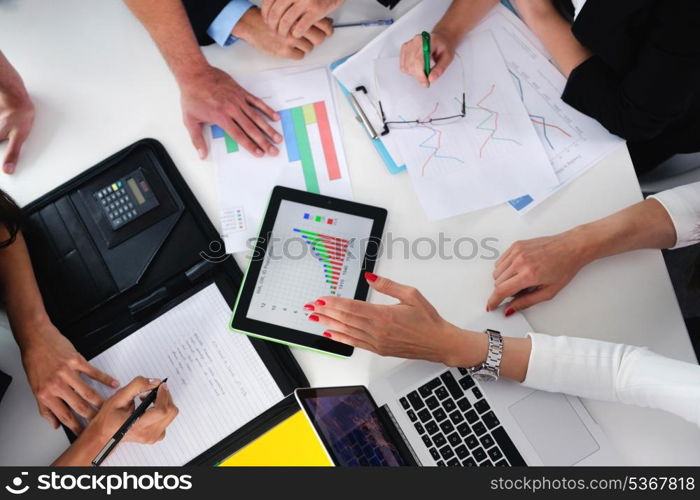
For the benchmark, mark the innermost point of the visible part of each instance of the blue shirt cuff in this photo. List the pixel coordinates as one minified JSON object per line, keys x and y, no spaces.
{"x":220,"y":29}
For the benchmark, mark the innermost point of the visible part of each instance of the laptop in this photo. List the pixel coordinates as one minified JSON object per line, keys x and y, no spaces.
{"x":426,"y":414}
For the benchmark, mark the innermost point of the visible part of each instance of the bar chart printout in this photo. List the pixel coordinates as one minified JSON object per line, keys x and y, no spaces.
{"x":312,"y":253}
{"x":304,"y":128}
{"x":310,"y":157}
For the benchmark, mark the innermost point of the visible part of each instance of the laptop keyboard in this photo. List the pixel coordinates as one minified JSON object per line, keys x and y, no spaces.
{"x":457,"y":425}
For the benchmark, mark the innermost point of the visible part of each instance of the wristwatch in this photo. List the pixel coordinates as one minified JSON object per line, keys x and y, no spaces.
{"x":489,"y":370}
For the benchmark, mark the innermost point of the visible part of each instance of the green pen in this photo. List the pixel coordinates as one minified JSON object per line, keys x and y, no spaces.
{"x":426,"y":54}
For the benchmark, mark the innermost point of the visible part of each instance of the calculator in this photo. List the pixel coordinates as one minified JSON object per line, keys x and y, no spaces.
{"x":126,"y":199}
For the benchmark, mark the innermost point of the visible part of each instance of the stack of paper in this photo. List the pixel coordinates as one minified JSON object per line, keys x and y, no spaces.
{"x":518,"y":143}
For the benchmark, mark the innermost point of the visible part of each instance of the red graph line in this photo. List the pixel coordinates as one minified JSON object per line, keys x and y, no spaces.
{"x":439,"y":138}
{"x":494,"y":113}
{"x":550,"y":125}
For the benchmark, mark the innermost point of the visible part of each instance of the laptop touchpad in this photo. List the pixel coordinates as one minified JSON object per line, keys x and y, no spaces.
{"x":553,"y":428}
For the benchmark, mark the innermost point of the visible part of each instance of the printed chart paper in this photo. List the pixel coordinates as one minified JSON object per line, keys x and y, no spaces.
{"x":311,"y":157}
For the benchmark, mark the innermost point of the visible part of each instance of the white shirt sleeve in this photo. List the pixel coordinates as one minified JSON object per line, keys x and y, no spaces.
{"x":683,"y":206}
{"x":614,"y":372}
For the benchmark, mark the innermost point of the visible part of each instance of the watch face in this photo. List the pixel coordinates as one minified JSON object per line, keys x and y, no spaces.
{"x":484,"y":376}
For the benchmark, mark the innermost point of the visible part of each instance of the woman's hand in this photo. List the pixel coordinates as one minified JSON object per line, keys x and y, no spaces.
{"x":410,"y":329}
{"x":148,"y":429}
{"x":534,"y":271}
{"x":54,"y":371}
{"x":412,"y":63}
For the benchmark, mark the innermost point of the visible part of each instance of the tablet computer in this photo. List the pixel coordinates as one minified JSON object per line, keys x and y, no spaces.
{"x":309,"y":246}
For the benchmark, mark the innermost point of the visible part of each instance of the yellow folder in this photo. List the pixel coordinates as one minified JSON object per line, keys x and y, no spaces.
{"x":292,"y":443}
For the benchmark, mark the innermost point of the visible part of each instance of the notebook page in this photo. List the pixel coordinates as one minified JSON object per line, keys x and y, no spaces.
{"x":215,"y":376}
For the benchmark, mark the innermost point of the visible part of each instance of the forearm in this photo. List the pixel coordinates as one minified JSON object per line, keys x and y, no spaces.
{"x":83,"y":450}
{"x":461,"y":17}
{"x":167,"y":23}
{"x":555,"y":34}
{"x":25,"y":307}
{"x":643,"y":225}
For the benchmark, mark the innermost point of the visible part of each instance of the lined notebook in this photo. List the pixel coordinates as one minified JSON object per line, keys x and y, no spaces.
{"x":216,"y":378}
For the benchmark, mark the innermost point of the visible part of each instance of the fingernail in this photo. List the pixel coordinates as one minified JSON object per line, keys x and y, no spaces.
{"x":259,"y":152}
{"x":510,"y":311}
{"x":308,"y":307}
{"x":115,"y":383}
{"x":164,"y":385}
{"x":273,"y":151}
{"x":277,"y":138}
{"x":153,"y":380}
{"x":488,"y":309}
{"x":9,"y":168}
{"x":276,"y":116}
{"x":201,"y":153}
{"x":371,"y":277}
{"x":313,"y":317}
{"x":320,"y":302}
{"x":327,"y":334}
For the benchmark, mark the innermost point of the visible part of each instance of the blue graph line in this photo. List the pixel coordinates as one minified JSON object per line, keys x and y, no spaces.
{"x":424,"y":145}
{"x":522,"y":98}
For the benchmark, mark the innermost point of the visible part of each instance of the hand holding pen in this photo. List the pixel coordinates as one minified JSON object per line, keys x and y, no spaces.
{"x":426,"y":58}
{"x":139,"y":424}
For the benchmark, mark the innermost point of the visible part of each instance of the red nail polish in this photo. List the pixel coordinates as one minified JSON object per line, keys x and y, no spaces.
{"x":510,"y":311}
{"x":327,"y":334}
{"x":371,"y":277}
{"x":313,"y":317}
{"x":320,"y":302}
{"x":308,"y":307}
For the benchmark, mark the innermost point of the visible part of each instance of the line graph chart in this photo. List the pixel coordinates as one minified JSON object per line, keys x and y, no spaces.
{"x":537,"y":119}
{"x":490,"y":123}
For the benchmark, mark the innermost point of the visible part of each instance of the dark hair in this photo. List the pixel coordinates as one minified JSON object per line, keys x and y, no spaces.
{"x":10,"y":217}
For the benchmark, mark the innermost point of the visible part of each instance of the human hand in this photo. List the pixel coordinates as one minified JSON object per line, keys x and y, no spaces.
{"x":411,"y":329}
{"x":253,"y":30}
{"x":535,"y":270}
{"x":53,"y":369}
{"x":411,"y":59}
{"x":296,"y":16}
{"x":150,"y":427}
{"x":16,"y":114}
{"x":212,"y":96}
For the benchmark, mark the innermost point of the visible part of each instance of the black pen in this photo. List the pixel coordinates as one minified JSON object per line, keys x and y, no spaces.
{"x":121,"y":432}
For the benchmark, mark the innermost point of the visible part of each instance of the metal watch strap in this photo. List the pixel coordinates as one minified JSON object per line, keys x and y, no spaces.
{"x":492,"y":365}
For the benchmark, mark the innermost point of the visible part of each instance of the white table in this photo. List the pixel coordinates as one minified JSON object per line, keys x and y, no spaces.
{"x":99,"y":84}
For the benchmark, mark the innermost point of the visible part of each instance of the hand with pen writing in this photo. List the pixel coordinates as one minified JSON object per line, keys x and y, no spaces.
{"x":442,"y":54}
{"x":148,"y":429}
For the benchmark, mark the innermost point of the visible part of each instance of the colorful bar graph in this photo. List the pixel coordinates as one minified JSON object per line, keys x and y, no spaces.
{"x":289,"y":136}
{"x":295,"y":128}
{"x":307,"y":160}
{"x":324,"y":127}
{"x":330,"y":251}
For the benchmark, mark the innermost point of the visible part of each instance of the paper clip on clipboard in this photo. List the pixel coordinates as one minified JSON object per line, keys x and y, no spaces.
{"x":363,"y":109}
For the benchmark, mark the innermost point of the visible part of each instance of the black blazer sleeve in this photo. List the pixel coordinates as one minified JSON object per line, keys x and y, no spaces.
{"x":658,"y":90}
{"x":202,"y":13}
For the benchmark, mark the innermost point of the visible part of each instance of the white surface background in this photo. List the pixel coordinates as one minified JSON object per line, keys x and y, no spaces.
{"x":99,"y":84}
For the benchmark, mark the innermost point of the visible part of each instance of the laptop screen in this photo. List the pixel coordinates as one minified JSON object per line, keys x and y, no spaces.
{"x":351,"y":427}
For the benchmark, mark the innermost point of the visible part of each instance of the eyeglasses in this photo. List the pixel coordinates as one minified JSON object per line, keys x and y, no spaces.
{"x":430,"y":118}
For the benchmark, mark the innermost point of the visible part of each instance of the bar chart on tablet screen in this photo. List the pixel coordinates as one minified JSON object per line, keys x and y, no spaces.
{"x":312,"y":253}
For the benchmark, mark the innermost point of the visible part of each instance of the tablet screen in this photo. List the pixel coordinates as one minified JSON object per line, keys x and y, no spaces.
{"x":312,"y":252}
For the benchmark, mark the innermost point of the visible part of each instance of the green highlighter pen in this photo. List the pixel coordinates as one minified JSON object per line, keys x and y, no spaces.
{"x":426,"y":54}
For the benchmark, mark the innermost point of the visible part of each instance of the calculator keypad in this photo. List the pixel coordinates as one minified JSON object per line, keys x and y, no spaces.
{"x":117,"y":204}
